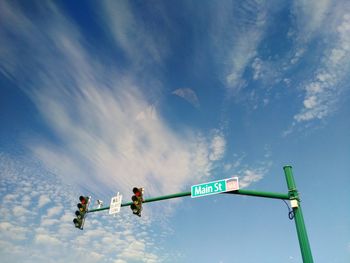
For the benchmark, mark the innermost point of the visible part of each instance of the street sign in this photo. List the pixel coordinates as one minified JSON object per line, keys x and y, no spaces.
{"x":215,"y":187}
{"x":115,"y":205}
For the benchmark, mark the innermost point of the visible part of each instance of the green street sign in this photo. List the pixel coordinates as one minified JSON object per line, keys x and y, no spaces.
{"x":215,"y":187}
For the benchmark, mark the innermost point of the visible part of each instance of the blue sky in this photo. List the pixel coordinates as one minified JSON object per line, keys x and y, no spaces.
{"x":101,"y":96}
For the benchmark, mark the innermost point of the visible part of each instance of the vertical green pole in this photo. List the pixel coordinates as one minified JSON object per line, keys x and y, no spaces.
{"x":298,"y":216}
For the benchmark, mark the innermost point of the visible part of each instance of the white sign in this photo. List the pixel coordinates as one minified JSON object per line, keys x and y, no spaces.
{"x":115,"y":205}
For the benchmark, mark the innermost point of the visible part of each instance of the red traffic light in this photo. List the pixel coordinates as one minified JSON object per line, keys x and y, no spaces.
{"x":83,"y":200}
{"x":82,"y":211}
{"x":137,"y":191}
{"x":137,"y":200}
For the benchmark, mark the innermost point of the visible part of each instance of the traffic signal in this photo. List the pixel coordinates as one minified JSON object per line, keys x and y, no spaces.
{"x":81,"y":212}
{"x":137,"y":200}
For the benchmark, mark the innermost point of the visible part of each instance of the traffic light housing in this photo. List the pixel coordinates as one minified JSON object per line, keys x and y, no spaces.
{"x":137,"y":200}
{"x":81,"y":212}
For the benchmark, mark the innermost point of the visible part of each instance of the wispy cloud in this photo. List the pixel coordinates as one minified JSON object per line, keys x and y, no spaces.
{"x":218,"y":147}
{"x":310,"y":16}
{"x":257,"y":66}
{"x":318,"y":37}
{"x":189,"y":95}
{"x":323,"y":90}
{"x":236,"y":34}
{"x":143,"y":45}
{"x":97,"y":114}
{"x":249,"y":174}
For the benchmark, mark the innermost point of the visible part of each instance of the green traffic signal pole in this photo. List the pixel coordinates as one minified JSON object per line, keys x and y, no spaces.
{"x":292,"y":195}
{"x":298,"y":216}
{"x":183,"y":194}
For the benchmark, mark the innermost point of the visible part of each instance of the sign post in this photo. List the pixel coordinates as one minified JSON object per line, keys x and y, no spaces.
{"x":115,"y":205}
{"x":215,"y":187}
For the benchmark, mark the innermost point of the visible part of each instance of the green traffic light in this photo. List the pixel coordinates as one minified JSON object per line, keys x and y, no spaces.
{"x":81,"y":212}
{"x":77,"y":222}
{"x":137,"y":199}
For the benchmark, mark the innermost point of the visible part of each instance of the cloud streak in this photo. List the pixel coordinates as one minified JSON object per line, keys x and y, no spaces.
{"x":189,"y":95}
{"x":238,"y":46}
{"x":142,"y":46}
{"x":97,"y":114}
{"x":310,"y":17}
{"x":323,"y":90}
{"x":249,"y":174}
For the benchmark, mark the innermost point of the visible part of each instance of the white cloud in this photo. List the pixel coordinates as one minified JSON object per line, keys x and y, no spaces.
{"x":43,"y":200}
{"x":56,"y":237}
{"x":49,"y":222}
{"x":322,"y":92}
{"x":310,"y":17}
{"x":26,"y":200}
{"x":109,"y":139}
{"x":137,"y":251}
{"x":142,"y":45}
{"x":11,"y":197}
{"x":128,"y":151}
{"x":150,"y":113}
{"x":46,"y":240}
{"x":189,"y":95}
{"x":257,"y":66}
{"x":250,"y":176}
{"x":236,"y":34}
{"x":298,"y":54}
{"x":217,"y":147}
{"x":12,"y":232}
{"x":243,"y":52}
{"x":67,"y":217}
{"x":103,"y":146}
{"x":54,"y":211}
{"x":310,"y":21}
{"x":19,"y":211}
{"x":98,"y":113}
{"x":322,"y":22}
{"x":249,"y":173}
{"x":327,"y":21}
{"x":95,"y":256}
